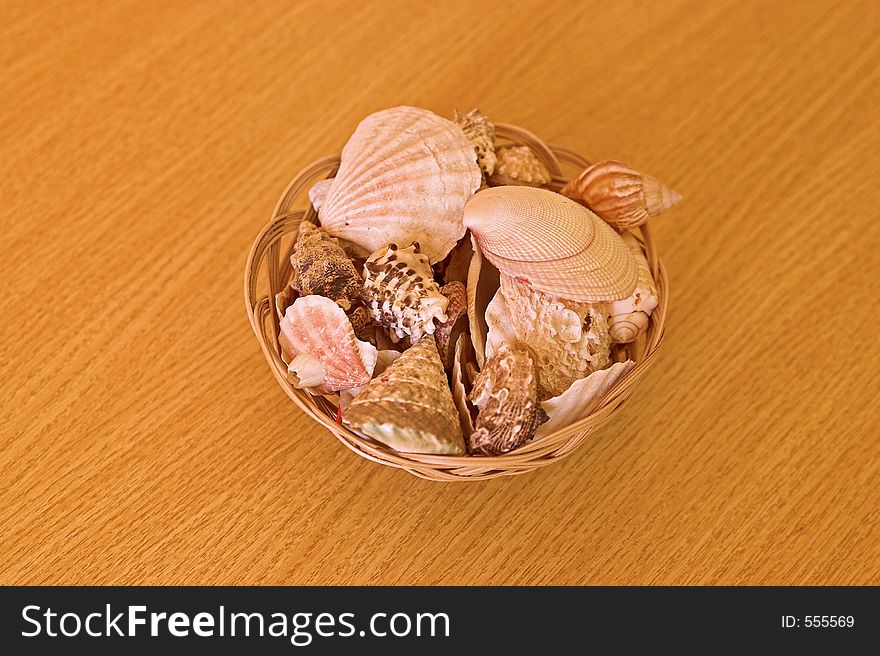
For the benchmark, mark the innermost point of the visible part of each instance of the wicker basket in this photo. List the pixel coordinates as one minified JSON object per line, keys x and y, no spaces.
{"x":268,"y":271}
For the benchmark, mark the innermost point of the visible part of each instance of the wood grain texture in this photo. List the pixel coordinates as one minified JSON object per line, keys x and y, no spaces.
{"x":143,"y":439}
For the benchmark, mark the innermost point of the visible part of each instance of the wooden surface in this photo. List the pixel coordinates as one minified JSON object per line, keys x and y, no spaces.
{"x":144,"y":439}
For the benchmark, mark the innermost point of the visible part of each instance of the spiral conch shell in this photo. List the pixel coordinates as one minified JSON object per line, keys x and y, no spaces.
{"x":506,"y":393}
{"x":619,"y":194}
{"x":569,"y":340}
{"x":481,"y":132}
{"x":558,"y":246}
{"x":628,"y":318}
{"x":320,"y":266}
{"x":320,"y":348}
{"x":409,"y":407}
{"x":405,"y":176}
{"x":400,"y":291}
{"x":518,"y":165}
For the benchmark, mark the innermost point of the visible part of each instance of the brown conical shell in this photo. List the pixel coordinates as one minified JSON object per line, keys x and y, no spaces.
{"x":410,"y":407}
{"x":556,"y":245}
{"x":519,"y":165}
{"x":506,"y":393}
{"x":321,"y":267}
{"x":619,"y":194}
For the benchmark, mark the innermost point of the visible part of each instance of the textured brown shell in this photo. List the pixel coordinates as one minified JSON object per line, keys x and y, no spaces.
{"x":506,"y":393}
{"x":480,"y":131}
{"x":321,"y":267}
{"x":409,"y":407}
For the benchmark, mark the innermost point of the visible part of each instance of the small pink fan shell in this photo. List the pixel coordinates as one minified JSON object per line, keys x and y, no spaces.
{"x":318,"y":343}
{"x":405,"y":176}
{"x":579,"y":400}
{"x":558,"y":246}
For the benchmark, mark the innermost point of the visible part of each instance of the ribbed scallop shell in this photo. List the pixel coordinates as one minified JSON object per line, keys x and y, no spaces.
{"x":410,"y":407}
{"x":579,"y":400}
{"x":569,"y":340}
{"x":405,"y":176}
{"x":321,"y":267}
{"x":320,"y":348}
{"x":506,"y":394}
{"x":556,"y":245}
{"x":628,"y":318}
{"x":400,"y":292}
{"x":619,"y":194}
{"x":481,"y":133}
{"x":519,"y":165}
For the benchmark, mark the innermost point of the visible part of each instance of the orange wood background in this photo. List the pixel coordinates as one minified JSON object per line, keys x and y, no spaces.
{"x":143,"y":147}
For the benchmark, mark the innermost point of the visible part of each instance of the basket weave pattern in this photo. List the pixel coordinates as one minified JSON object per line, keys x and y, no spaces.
{"x":268,"y":271}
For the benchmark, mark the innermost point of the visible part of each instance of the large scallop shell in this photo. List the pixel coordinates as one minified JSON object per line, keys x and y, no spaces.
{"x":556,"y":245}
{"x":321,"y":267}
{"x":320,"y":348}
{"x":628,"y":318}
{"x":405,"y":176}
{"x":506,"y":393}
{"x":619,"y":194}
{"x":579,"y":400}
{"x":400,"y":292}
{"x":410,"y":407}
{"x":569,"y":340}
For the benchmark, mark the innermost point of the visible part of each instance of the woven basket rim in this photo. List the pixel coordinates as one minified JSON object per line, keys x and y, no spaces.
{"x":266,"y":252}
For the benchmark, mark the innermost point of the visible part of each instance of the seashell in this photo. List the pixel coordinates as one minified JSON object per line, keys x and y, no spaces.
{"x":481,"y":133}
{"x":321,"y":267}
{"x":459,"y":391}
{"x":318,"y":192}
{"x":455,"y":266}
{"x":519,"y":165}
{"x":405,"y":176}
{"x":581,"y":398}
{"x":628,"y":318}
{"x":400,"y":291}
{"x":619,"y":194}
{"x":447,"y":333}
{"x":483,"y":281}
{"x":506,"y":395}
{"x":320,"y":348}
{"x":554,"y":244}
{"x":383,"y":360}
{"x":283,"y":300}
{"x":410,"y":407}
{"x":569,"y":340}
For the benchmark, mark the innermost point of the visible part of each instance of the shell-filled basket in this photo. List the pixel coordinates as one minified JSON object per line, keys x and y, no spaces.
{"x":488,"y":344}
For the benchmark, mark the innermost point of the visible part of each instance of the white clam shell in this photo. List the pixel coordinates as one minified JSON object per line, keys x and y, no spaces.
{"x":405,"y":176}
{"x":579,"y":400}
{"x":558,"y":246}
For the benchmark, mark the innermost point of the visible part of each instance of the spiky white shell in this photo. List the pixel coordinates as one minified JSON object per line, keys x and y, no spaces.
{"x":401,"y":293}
